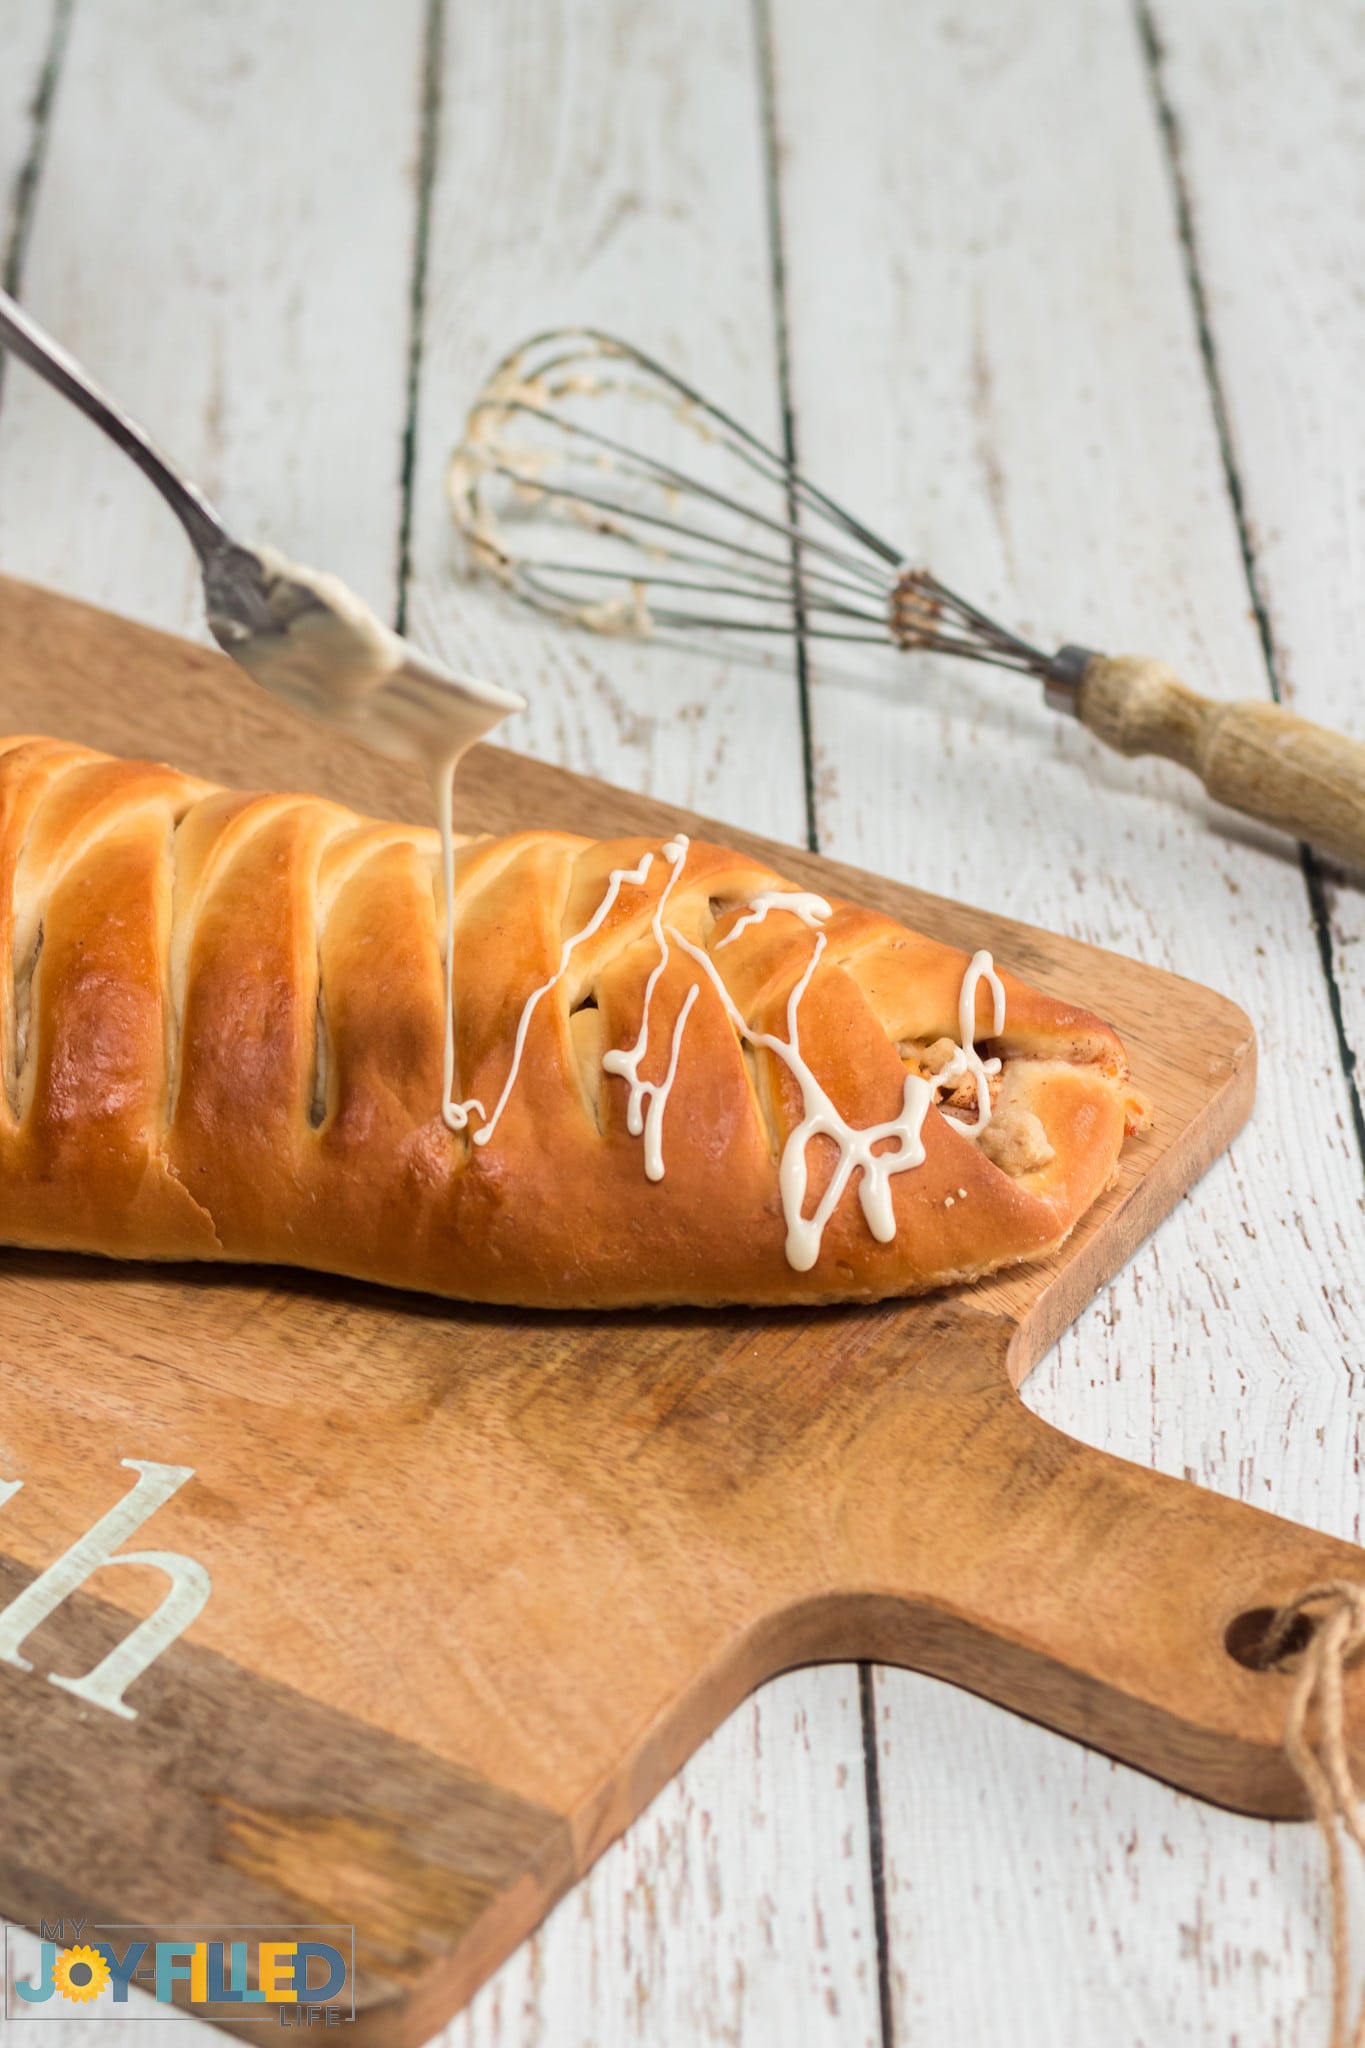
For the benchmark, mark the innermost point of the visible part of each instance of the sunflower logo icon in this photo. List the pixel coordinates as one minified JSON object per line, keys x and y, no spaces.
{"x":80,"y":1974}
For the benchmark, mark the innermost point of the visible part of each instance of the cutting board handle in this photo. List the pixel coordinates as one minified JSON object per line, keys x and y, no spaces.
{"x":1113,"y":1603}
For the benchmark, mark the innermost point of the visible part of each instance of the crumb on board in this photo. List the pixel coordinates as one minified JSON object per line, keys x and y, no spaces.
{"x":1137,"y":1116}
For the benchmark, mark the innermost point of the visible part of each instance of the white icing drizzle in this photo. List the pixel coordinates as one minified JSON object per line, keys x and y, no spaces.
{"x":967,"y":1060}
{"x":812,"y":910}
{"x":903,"y":1134}
{"x":821,"y":1118}
{"x":324,"y":652}
{"x":901,"y":1138}
{"x":457,"y":1114}
{"x":626,"y":1064}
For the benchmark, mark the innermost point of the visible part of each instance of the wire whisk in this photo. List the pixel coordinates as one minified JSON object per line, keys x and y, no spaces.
{"x":678,"y":548}
{"x":604,"y":489}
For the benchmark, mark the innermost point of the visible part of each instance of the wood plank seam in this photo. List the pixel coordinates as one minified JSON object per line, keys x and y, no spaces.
{"x":867,"y":1702}
{"x":766,"y":71}
{"x":1172,"y":149}
{"x":764,"y":66}
{"x":428,"y":147}
{"x":25,"y":192}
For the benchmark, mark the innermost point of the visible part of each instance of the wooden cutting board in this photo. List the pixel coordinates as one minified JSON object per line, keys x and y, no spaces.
{"x":481,"y":1581}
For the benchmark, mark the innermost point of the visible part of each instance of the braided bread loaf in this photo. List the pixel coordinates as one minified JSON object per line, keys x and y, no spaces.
{"x":223,"y":1021}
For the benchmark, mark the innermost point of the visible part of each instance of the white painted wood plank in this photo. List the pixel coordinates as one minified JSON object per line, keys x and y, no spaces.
{"x":25,"y":38}
{"x":600,"y":161}
{"x":1093,"y":1905}
{"x":223,"y":232}
{"x":1270,"y":107}
{"x":735,"y":1910}
{"x":995,"y":359}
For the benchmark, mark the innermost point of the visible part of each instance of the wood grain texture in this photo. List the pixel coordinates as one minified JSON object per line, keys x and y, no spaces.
{"x":578,"y":1549}
{"x":996,"y":360}
{"x":291,"y":1828}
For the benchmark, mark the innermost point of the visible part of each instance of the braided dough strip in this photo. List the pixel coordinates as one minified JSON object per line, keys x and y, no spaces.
{"x":222,"y":1024}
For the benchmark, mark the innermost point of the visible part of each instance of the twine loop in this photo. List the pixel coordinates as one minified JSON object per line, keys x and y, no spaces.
{"x":1335,"y":1615}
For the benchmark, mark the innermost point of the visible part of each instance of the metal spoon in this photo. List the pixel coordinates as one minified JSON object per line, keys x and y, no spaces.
{"x":300,"y":634}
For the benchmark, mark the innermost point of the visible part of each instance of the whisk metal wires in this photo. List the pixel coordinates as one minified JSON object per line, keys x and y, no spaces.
{"x":603,"y":488}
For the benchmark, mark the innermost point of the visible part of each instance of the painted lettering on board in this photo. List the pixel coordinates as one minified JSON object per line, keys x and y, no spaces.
{"x":182,"y":1602}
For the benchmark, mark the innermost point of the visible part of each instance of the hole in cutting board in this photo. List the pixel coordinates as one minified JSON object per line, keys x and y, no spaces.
{"x":1246,"y":1633}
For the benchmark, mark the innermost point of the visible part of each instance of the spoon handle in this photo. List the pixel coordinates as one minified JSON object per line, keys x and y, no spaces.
{"x":22,"y":335}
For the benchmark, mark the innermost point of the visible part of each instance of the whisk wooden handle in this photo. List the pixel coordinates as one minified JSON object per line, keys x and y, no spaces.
{"x":1257,"y":757}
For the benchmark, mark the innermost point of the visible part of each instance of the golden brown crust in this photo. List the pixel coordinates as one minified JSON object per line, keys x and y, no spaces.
{"x":221,"y":1036}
